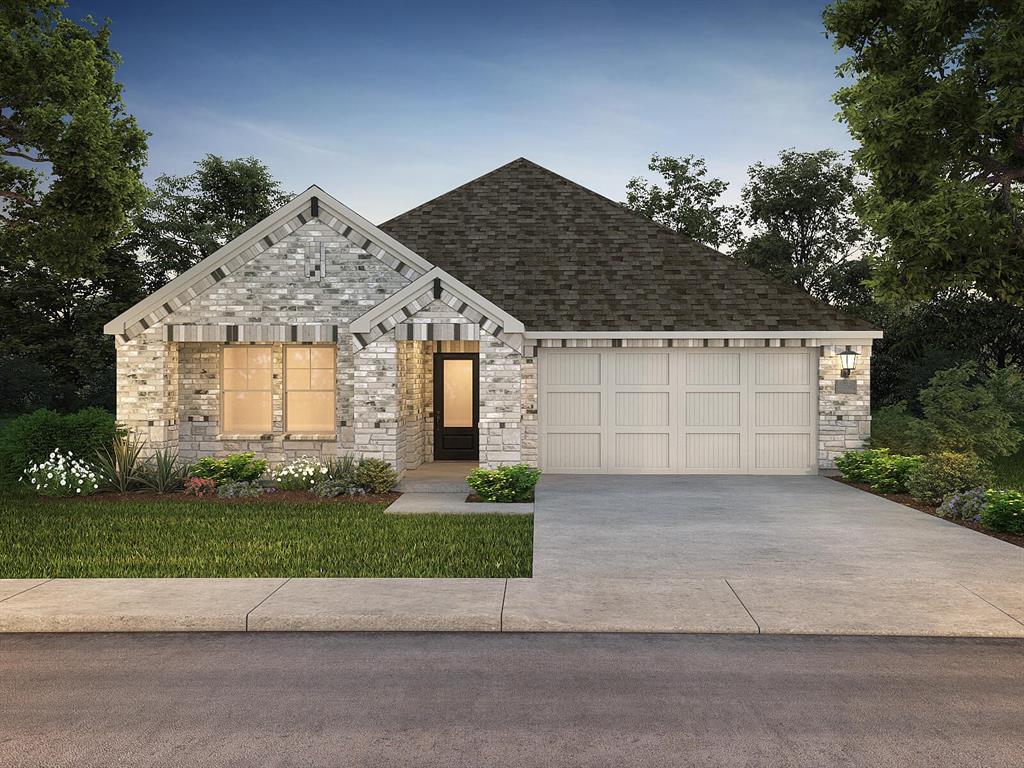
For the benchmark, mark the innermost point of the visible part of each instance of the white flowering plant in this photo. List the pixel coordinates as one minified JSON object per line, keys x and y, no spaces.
{"x":300,"y":475}
{"x":61,"y":475}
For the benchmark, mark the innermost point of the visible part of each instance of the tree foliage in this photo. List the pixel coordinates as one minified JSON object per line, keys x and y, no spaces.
{"x":922,"y":338}
{"x":937,"y":105}
{"x":688,"y":203}
{"x":53,"y":353}
{"x":189,"y":217}
{"x":802,"y":227}
{"x":71,"y":158}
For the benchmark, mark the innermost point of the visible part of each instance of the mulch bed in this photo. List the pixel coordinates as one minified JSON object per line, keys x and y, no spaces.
{"x":285,"y":497}
{"x":909,"y":501}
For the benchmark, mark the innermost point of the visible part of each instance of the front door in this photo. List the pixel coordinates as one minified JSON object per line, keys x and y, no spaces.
{"x":456,"y":406}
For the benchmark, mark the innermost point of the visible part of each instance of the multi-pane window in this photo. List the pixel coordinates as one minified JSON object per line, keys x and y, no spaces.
{"x":309,"y":382}
{"x":247,"y":377}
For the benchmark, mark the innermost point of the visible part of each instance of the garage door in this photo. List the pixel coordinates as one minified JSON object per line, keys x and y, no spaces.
{"x":729,"y":410}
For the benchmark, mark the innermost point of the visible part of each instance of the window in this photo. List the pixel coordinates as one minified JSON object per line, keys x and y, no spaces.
{"x":309,"y":375}
{"x":247,"y":376}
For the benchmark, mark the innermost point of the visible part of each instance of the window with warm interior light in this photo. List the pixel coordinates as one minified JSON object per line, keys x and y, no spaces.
{"x":247,"y":377}
{"x":309,"y":382}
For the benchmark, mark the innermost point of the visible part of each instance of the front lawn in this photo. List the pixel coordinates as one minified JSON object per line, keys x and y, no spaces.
{"x":152,"y":537}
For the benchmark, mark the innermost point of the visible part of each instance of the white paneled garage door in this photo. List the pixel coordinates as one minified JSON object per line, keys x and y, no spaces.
{"x":670,"y":410}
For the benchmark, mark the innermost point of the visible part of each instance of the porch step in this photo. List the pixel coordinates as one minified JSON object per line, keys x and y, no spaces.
{"x":431,"y":485}
{"x":437,"y":477}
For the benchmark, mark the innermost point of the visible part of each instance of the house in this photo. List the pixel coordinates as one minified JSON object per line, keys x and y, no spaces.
{"x":517,"y":318}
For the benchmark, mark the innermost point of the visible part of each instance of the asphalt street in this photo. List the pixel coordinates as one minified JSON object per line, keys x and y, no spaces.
{"x":508,"y":700}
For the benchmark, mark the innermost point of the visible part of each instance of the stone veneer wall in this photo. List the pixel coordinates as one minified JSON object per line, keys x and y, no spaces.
{"x":273,"y":288}
{"x":501,"y":403}
{"x":147,"y":388}
{"x":844,"y":417}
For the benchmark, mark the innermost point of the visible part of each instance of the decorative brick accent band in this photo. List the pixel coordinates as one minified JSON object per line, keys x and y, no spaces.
{"x":252,"y":333}
{"x":413,"y":331}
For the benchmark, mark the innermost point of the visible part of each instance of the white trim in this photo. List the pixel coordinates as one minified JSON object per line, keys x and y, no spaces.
{"x":850,"y":337}
{"x":299,"y":204}
{"x":394,"y":303}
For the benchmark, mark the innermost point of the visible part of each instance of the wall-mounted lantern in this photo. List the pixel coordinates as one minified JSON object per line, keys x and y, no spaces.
{"x":848,"y":359}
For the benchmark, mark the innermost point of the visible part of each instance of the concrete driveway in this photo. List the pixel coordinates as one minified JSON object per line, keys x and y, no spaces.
{"x":781,"y":554}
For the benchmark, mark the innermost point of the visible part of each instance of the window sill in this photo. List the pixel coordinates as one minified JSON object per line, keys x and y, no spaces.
{"x":311,"y":436}
{"x":264,"y":436}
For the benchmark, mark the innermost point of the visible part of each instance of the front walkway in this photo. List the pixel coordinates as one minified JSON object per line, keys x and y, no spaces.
{"x":650,"y":554}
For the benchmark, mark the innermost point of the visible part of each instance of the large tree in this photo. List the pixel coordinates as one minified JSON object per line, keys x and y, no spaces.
{"x":937,"y":106}
{"x":189,"y":217}
{"x":71,"y":158}
{"x":689,"y":201}
{"x":800,"y":226}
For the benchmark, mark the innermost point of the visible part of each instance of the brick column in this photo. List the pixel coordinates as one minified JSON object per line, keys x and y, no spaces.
{"x":147,"y":389}
{"x":375,"y":400}
{"x":501,"y":403}
{"x":844,"y":405}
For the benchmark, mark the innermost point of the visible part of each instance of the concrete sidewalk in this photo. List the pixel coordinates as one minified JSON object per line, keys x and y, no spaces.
{"x":857,"y":606}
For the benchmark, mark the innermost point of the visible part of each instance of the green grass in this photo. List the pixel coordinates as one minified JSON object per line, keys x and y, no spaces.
{"x":1010,"y":471}
{"x":48,"y":538}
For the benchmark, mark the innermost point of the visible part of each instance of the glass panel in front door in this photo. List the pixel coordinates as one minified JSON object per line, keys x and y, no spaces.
{"x":458,"y":393}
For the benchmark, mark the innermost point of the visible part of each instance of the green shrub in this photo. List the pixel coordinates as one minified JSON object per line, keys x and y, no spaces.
{"x":946,"y":473}
{"x":885,"y":472}
{"x":505,"y":484}
{"x":119,"y":465}
{"x":240,"y":489}
{"x":966,"y":505}
{"x":856,"y":466}
{"x":1004,"y":511}
{"x":893,"y":427}
{"x":31,"y":438}
{"x":966,"y":411}
{"x":375,"y":476}
{"x":342,"y":469}
{"x":330,"y":489}
{"x":238,"y":467}
{"x":164,"y":472}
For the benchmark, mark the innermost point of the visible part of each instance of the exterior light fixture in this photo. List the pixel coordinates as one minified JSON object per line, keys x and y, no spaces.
{"x":848,"y":358}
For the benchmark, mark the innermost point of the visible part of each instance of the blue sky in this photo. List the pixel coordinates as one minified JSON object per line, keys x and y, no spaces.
{"x":388,"y":104}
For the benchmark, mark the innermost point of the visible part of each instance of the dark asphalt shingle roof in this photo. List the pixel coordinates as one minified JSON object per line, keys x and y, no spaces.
{"x":560,"y":257}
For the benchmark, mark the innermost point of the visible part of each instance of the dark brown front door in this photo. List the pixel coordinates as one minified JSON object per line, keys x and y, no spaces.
{"x":456,"y":406}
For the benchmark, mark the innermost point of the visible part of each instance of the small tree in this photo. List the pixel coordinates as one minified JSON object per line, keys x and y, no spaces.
{"x":688,"y":203}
